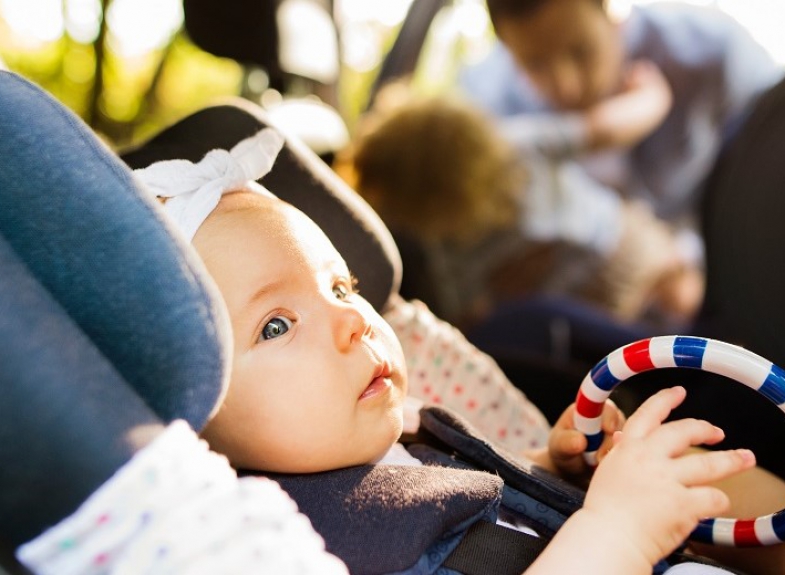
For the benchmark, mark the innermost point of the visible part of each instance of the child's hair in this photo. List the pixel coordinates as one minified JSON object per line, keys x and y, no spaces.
{"x":501,"y":9}
{"x":435,"y":168}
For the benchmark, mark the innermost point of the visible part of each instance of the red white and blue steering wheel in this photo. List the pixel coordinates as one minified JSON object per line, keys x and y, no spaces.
{"x":697,"y":353}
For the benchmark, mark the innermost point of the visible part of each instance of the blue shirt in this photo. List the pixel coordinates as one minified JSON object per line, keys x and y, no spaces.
{"x":715,"y":69}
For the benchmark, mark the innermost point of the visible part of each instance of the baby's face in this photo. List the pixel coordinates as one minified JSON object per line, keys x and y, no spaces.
{"x":318,"y":377}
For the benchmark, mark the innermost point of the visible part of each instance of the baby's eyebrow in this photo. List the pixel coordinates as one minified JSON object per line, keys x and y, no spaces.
{"x":263,"y":291}
{"x":336,"y":268}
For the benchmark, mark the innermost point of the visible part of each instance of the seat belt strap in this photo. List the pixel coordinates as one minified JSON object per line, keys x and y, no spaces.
{"x":490,"y":549}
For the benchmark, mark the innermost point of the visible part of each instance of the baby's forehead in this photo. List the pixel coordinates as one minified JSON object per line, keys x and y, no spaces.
{"x":277,"y":216}
{"x":237,"y":214}
{"x":248,"y":197}
{"x":267,"y":210}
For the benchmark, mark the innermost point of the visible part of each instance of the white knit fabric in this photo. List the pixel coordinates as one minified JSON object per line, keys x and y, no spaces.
{"x":178,"y":508}
{"x":193,"y":190}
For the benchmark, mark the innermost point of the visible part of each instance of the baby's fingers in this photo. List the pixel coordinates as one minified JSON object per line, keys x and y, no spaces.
{"x":675,"y":437}
{"x":612,"y":418}
{"x":707,"y":502}
{"x":710,"y":466}
{"x":653,"y":412}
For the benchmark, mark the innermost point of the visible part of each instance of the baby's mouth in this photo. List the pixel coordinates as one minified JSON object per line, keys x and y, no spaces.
{"x":380,"y":382}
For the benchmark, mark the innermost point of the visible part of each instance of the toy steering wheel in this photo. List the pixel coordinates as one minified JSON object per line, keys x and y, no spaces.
{"x":696,"y":353}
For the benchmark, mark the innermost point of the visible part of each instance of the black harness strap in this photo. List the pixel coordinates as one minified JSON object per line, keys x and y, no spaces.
{"x":490,"y":549}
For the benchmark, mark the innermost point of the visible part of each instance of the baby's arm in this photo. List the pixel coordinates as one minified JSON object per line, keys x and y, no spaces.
{"x":645,"y":498}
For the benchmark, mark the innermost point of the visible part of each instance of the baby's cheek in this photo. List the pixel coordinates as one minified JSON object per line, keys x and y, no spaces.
{"x":396,"y":356}
{"x":394,"y":430}
{"x":403,"y":383}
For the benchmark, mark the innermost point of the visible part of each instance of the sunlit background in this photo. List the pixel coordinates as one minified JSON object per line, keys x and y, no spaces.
{"x":150,"y":73}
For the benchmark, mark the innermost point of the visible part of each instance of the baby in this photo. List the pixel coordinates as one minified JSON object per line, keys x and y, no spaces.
{"x":319,"y":379}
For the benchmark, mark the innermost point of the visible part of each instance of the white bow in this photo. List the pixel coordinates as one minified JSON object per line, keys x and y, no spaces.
{"x":193,"y":190}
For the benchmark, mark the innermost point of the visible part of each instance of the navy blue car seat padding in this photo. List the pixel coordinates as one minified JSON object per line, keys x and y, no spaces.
{"x":68,"y":421}
{"x":299,"y":177}
{"x":386,"y":518}
{"x":101,"y":248}
{"x":404,"y":519}
{"x":520,"y":473}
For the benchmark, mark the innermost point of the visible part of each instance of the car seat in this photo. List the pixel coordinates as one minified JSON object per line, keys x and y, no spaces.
{"x":100,"y":305}
{"x":109,"y":322}
{"x":97,"y":294}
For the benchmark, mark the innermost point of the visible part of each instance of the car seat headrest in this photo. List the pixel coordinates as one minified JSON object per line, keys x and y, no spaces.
{"x":73,"y":214}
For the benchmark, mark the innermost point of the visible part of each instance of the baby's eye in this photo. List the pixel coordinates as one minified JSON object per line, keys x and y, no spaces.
{"x":345,"y":287}
{"x":275,"y":327}
{"x":341,"y":291}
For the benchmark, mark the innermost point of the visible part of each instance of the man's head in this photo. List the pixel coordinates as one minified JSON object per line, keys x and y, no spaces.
{"x":318,"y":377}
{"x":571,"y":50}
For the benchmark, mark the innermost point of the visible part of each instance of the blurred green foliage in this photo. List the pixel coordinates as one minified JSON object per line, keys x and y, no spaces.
{"x":124,"y":99}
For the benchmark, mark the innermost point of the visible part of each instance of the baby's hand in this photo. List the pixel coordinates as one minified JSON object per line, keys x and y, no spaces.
{"x":566,"y":444}
{"x":628,"y":117}
{"x":648,"y":492}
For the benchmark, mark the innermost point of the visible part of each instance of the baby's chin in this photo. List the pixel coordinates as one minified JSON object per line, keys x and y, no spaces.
{"x":351,"y":459}
{"x":395,"y":431}
{"x":364,"y":453}
{"x":363,"y":448}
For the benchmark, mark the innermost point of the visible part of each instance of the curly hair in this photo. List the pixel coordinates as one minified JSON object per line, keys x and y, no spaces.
{"x":436,"y":168}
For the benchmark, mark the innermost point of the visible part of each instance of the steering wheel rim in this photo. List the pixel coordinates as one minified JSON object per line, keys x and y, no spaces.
{"x":691,"y":352}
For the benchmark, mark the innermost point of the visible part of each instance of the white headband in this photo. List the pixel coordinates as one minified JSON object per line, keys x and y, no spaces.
{"x":193,"y":190}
